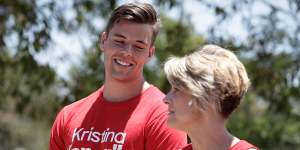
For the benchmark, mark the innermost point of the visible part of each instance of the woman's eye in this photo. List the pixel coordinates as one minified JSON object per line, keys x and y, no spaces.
{"x":119,"y":42}
{"x":139,"y":48}
{"x":175,"y":89}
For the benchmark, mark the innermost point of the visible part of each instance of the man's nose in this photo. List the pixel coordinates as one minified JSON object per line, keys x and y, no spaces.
{"x":128,"y":50}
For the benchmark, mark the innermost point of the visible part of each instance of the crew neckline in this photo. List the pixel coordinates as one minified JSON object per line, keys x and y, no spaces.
{"x":127,"y":102}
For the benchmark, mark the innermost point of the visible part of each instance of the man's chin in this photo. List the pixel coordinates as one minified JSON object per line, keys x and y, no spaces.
{"x":123,"y":78}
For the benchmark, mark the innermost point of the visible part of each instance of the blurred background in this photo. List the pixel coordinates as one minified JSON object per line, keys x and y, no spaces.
{"x":50,"y":57}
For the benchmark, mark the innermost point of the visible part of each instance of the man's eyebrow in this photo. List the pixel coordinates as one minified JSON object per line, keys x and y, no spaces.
{"x":119,"y":35}
{"x":122,"y":36}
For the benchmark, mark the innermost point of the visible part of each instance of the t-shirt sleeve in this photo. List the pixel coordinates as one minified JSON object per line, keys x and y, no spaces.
{"x":160,"y":137}
{"x":57,"y":133}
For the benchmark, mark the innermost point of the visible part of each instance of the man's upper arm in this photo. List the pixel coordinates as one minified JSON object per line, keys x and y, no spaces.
{"x":57,"y":133}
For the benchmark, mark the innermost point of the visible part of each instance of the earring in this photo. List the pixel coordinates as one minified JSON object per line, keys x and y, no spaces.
{"x":190,"y":103}
{"x":102,"y":57}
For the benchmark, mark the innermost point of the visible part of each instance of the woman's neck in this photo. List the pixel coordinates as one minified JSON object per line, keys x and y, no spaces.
{"x":211,"y":136}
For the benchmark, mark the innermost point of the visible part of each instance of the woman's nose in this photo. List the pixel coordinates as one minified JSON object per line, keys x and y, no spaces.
{"x":166,"y":99}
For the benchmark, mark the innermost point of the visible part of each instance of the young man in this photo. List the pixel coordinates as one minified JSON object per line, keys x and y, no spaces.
{"x":126,"y":113}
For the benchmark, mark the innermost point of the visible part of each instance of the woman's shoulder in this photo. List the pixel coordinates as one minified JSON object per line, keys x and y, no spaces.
{"x":187,"y":147}
{"x":243,"y":145}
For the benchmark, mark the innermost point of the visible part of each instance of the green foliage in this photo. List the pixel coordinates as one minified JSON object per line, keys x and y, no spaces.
{"x":25,"y":19}
{"x":24,"y":83}
{"x":22,"y":132}
{"x":87,"y":77}
{"x":28,"y":94}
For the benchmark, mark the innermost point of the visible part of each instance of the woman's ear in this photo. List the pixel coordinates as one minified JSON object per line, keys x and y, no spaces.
{"x":152,"y":51}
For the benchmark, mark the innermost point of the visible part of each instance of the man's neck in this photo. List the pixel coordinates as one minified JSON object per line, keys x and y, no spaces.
{"x":116,"y":91}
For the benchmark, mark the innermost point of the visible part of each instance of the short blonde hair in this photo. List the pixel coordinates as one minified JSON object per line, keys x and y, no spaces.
{"x":211,"y":73}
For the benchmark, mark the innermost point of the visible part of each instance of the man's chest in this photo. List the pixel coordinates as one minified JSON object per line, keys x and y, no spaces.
{"x":104,"y":133}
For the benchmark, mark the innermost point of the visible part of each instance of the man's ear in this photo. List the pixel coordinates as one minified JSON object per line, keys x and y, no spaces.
{"x":151,"y":52}
{"x":103,"y":38}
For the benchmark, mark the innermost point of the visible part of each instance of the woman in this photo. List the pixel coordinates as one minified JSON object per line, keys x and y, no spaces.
{"x":207,"y":86}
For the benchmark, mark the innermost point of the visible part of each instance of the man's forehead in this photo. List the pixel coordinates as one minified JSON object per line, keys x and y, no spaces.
{"x":131,"y":24}
{"x":120,"y":36}
{"x":140,"y":37}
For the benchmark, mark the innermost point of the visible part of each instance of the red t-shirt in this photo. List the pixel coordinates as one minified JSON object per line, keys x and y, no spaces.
{"x":241,"y":145}
{"x":96,"y":124}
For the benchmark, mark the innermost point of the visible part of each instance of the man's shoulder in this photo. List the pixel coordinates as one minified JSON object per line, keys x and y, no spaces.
{"x":153,"y":97}
{"x":152,"y":102}
{"x":154,"y":93}
{"x":84,"y":102}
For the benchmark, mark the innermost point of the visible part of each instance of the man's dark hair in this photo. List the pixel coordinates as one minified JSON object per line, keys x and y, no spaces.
{"x":135,"y":12}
